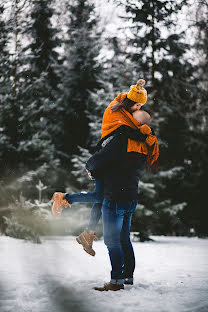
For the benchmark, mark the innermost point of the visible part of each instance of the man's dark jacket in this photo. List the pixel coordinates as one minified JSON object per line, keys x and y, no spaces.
{"x":119,"y":170}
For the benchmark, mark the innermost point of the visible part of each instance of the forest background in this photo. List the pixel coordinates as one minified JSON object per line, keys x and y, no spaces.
{"x":61,"y":64}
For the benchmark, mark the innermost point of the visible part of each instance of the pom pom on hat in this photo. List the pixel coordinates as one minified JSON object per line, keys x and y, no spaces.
{"x":140,"y":83}
{"x":138,"y":93}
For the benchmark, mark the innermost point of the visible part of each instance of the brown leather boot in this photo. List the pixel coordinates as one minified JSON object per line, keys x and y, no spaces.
{"x":58,"y":204}
{"x":86,"y":239}
{"x":109,"y":286}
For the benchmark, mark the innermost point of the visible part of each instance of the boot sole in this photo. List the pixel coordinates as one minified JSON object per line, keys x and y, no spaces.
{"x":102,"y":289}
{"x":78,"y":240}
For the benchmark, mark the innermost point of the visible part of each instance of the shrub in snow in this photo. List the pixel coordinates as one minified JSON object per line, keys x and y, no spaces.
{"x":17,"y":230}
{"x":27,"y":220}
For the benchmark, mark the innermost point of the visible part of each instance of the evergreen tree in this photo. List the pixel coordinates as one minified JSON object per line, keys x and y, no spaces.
{"x":5,"y":83}
{"x":81,"y":76}
{"x":9,"y":110}
{"x":159,"y":53}
{"x":150,"y":47}
{"x":25,"y":220}
{"x":39,"y":91}
{"x":195,"y":215}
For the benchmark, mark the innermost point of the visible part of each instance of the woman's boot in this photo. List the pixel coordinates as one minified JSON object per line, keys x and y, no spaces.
{"x":86,"y":239}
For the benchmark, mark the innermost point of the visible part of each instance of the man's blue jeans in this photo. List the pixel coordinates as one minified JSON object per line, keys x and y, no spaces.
{"x":116,"y":230}
{"x":95,"y":197}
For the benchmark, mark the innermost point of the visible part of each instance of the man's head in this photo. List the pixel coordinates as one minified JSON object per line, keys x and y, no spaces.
{"x":142,"y":117}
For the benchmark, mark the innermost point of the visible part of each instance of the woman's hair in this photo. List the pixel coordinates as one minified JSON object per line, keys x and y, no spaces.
{"x":126,"y":104}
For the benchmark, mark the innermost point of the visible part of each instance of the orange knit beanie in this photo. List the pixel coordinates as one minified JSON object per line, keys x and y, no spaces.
{"x":137,"y":93}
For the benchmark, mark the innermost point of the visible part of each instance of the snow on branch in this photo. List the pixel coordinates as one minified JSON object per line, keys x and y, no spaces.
{"x":169,"y":174}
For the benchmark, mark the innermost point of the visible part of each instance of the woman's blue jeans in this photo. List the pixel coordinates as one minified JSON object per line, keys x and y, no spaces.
{"x":116,"y":230}
{"x":95,"y":197}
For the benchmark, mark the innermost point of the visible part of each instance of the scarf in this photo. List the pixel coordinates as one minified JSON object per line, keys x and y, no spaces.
{"x":113,"y":120}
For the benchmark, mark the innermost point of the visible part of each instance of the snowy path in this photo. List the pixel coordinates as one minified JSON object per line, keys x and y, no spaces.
{"x":57,"y":276}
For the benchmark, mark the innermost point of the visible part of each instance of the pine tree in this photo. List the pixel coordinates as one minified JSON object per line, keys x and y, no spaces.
{"x":159,"y":52}
{"x":201,"y":41}
{"x":5,"y":84}
{"x":81,"y":76}
{"x":25,"y":220}
{"x":9,"y":110}
{"x":39,"y":92}
{"x":195,"y":215}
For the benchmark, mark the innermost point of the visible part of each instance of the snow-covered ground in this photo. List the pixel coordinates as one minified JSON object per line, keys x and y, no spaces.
{"x":57,"y":276}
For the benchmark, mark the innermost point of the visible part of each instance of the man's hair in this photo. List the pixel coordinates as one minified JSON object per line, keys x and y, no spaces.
{"x":142,"y":116}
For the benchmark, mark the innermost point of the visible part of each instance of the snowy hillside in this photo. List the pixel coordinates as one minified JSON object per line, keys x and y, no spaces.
{"x":57,"y":276}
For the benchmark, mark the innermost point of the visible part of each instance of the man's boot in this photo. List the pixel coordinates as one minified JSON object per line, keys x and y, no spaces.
{"x":86,"y":239}
{"x":110,"y":286}
{"x":129,"y":281}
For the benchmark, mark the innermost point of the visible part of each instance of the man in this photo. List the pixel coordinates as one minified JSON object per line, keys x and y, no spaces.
{"x":120,"y":171}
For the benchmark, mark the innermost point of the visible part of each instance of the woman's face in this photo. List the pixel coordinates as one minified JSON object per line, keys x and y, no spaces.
{"x":135,"y":107}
